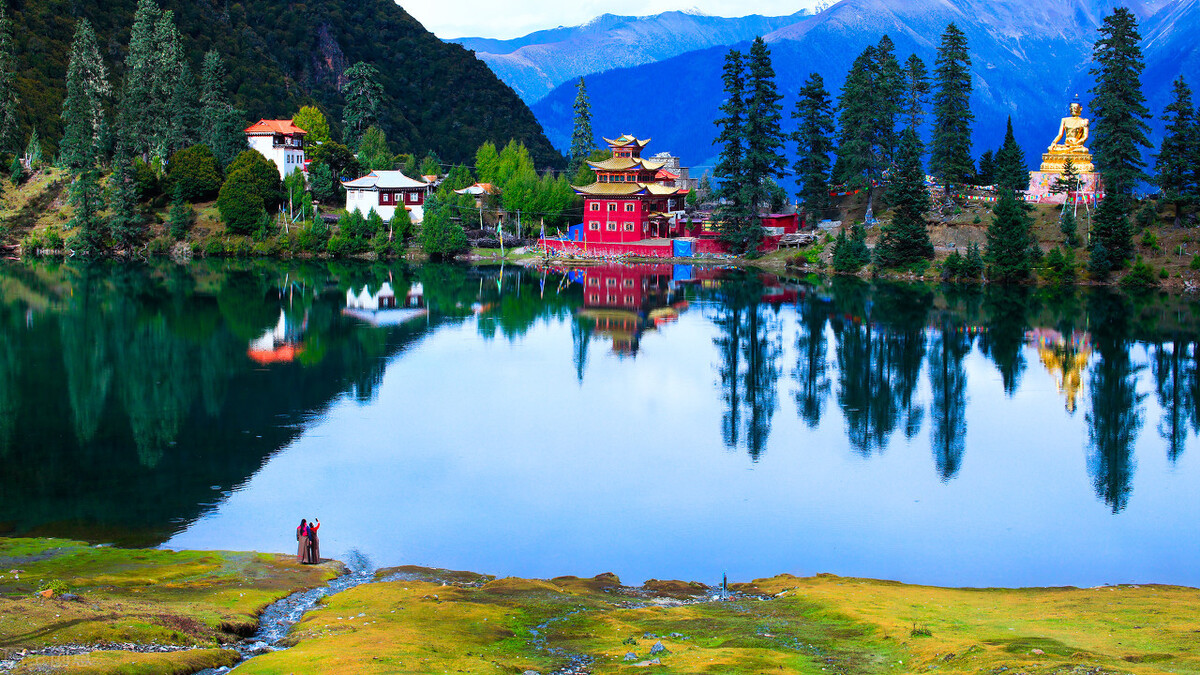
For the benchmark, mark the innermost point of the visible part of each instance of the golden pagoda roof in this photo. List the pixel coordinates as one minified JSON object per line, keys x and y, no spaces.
{"x":625,"y":189}
{"x":625,"y":164}
{"x":626,"y":140}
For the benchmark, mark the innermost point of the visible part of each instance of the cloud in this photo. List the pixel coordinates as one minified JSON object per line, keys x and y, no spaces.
{"x":488,"y":18}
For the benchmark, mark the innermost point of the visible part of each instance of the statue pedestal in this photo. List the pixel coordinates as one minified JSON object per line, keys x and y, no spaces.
{"x":1054,"y":162}
{"x":1091,"y":188}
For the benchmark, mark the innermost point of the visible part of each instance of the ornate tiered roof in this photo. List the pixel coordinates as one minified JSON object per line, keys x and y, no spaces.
{"x":626,"y":141}
{"x":625,"y":189}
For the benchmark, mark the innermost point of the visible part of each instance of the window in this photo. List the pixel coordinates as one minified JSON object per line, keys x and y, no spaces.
{"x":612,"y":206}
{"x":611,"y":281}
{"x":594,"y":297}
{"x":594,"y":226}
{"x":612,"y":227}
{"x":629,"y":227}
{"x":627,"y":283}
{"x":629,"y":299}
{"x":412,"y":197}
{"x":612,"y":299}
{"x":594,"y":206}
{"x":593,"y":281}
{"x":629,"y":207}
{"x":384,"y":198}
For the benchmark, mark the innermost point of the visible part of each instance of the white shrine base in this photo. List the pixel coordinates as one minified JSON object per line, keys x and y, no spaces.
{"x":1040,"y":183}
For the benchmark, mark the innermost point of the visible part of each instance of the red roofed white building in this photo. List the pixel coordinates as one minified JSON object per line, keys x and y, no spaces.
{"x":279,"y":141}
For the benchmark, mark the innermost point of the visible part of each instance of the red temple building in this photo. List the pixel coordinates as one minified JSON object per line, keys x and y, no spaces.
{"x":629,"y":201}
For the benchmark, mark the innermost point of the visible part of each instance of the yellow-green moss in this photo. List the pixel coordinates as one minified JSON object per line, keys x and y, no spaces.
{"x":129,"y":663}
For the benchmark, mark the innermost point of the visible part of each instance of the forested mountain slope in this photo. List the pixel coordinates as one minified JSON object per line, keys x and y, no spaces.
{"x":282,"y":54}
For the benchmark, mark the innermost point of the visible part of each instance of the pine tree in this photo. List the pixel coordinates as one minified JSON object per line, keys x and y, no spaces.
{"x":857,"y":160}
{"x":764,"y":159}
{"x":364,"y":96}
{"x":916,"y":92}
{"x":737,"y":210}
{"x":180,"y":220}
{"x":140,"y":115}
{"x":850,"y":254}
{"x":1173,"y":165}
{"x":1068,"y":181}
{"x":814,"y":142}
{"x":124,"y":221}
{"x":1111,"y":245}
{"x":950,"y":159}
{"x":890,"y":98}
{"x":1069,"y":228}
{"x":87,"y":201}
{"x":83,"y":108}
{"x":220,"y":125}
{"x":166,"y":72}
{"x":905,"y":240}
{"x":33,"y":151}
{"x":184,"y":106}
{"x":987,"y":169}
{"x":1009,"y":239}
{"x":1119,"y":107}
{"x":582,"y":139}
{"x":8,"y":89}
{"x":1011,"y":174}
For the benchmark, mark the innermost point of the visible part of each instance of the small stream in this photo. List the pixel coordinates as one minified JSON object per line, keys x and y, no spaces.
{"x":279,"y":616}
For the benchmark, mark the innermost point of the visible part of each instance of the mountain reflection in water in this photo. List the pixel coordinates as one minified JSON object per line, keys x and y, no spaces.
{"x":654,"y":420}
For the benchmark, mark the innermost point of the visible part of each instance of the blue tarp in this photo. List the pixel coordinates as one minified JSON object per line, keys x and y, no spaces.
{"x":681,"y":248}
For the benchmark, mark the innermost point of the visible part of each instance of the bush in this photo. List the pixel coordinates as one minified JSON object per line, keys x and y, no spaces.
{"x":1060,"y":267}
{"x":213,"y":247}
{"x":53,"y":240}
{"x":55,"y":586}
{"x":159,"y":247}
{"x":32,"y":244}
{"x":441,"y":237}
{"x":313,"y":237}
{"x":1195,"y":264}
{"x":148,"y":184}
{"x":341,"y":245}
{"x":952,"y":266}
{"x":261,"y":173}
{"x":1140,"y":276}
{"x":380,"y":244}
{"x":239,"y":202}
{"x":194,"y":172}
{"x":16,"y":171}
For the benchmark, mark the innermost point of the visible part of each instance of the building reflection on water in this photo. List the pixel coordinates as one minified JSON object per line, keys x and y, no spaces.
{"x":620,"y":302}
{"x":1065,"y":357}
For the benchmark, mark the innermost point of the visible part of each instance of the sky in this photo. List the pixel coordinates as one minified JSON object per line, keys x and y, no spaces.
{"x":509,"y":19}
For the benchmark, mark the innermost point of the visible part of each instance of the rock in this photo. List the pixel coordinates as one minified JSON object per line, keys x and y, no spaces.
{"x":658,"y":648}
{"x":1038,"y":652}
{"x":676,"y":635}
{"x":531,"y":672}
{"x":48,"y":593}
{"x":649,"y":636}
{"x":630,"y":656}
{"x":645,"y":664}
{"x":71,"y":597}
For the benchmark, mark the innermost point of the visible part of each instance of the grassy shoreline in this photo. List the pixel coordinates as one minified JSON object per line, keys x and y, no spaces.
{"x":420,"y":620}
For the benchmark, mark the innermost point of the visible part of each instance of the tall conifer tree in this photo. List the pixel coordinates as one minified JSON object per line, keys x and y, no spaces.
{"x":8,"y":90}
{"x":582,"y":138}
{"x":1111,"y":243}
{"x":764,"y":114}
{"x":87,"y":201}
{"x":1008,"y":239}
{"x":1119,"y":106}
{"x":166,"y":65}
{"x":1011,"y":174}
{"x":124,"y":221}
{"x":906,"y":240}
{"x":950,"y":157}
{"x":136,"y":119}
{"x":814,"y":142}
{"x":220,"y":125}
{"x":857,"y":160}
{"x":916,"y":93}
{"x":364,"y":96}
{"x":735,"y":210}
{"x":83,"y":108}
{"x":889,"y":98}
{"x":1173,"y":165}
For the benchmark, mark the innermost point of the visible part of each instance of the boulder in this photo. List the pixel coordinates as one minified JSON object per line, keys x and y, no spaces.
{"x":658,"y":648}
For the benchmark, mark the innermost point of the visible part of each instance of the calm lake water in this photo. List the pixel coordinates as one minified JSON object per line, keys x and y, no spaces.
{"x":653,"y":421}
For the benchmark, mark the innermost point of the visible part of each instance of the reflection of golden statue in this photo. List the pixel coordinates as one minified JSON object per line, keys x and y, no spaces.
{"x":1073,"y":133}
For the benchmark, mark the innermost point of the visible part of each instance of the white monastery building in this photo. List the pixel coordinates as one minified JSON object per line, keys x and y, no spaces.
{"x":385,"y":191}
{"x":279,"y":141}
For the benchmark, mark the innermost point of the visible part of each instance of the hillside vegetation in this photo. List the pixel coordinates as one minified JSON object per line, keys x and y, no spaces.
{"x":282,"y":55}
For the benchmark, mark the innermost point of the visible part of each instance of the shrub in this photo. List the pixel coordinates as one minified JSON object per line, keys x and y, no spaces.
{"x":441,"y":237}
{"x":53,"y":240}
{"x":261,"y":173}
{"x":194,"y":173}
{"x":313,"y":237}
{"x":952,"y":266}
{"x":1141,"y":275}
{"x":213,"y":247}
{"x":1060,"y":266}
{"x":1195,"y":264}
{"x":1150,"y":240}
{"x":159,"y":247}
{"x":148,"y":185}
{"x":16,"y":171}
{"x":381,"y":245}
{"x":55,"y":586}
{"x":239,"y":202}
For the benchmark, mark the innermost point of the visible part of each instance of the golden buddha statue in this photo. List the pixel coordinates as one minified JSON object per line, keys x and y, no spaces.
{"x":1073,"y":133}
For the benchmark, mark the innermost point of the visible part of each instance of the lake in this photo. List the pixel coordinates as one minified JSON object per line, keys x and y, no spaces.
{"x":653,"y":421}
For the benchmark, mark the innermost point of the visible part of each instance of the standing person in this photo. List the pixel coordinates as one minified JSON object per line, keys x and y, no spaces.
{"x":314,"y":544}
{"x":302,"y":539}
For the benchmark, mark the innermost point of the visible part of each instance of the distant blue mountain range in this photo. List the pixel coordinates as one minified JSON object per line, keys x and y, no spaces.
{"x":1029,"y":59}
{"x":535,"y":64}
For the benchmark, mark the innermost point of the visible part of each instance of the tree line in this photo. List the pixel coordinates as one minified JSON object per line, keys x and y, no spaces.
{"x":870,"y":139}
